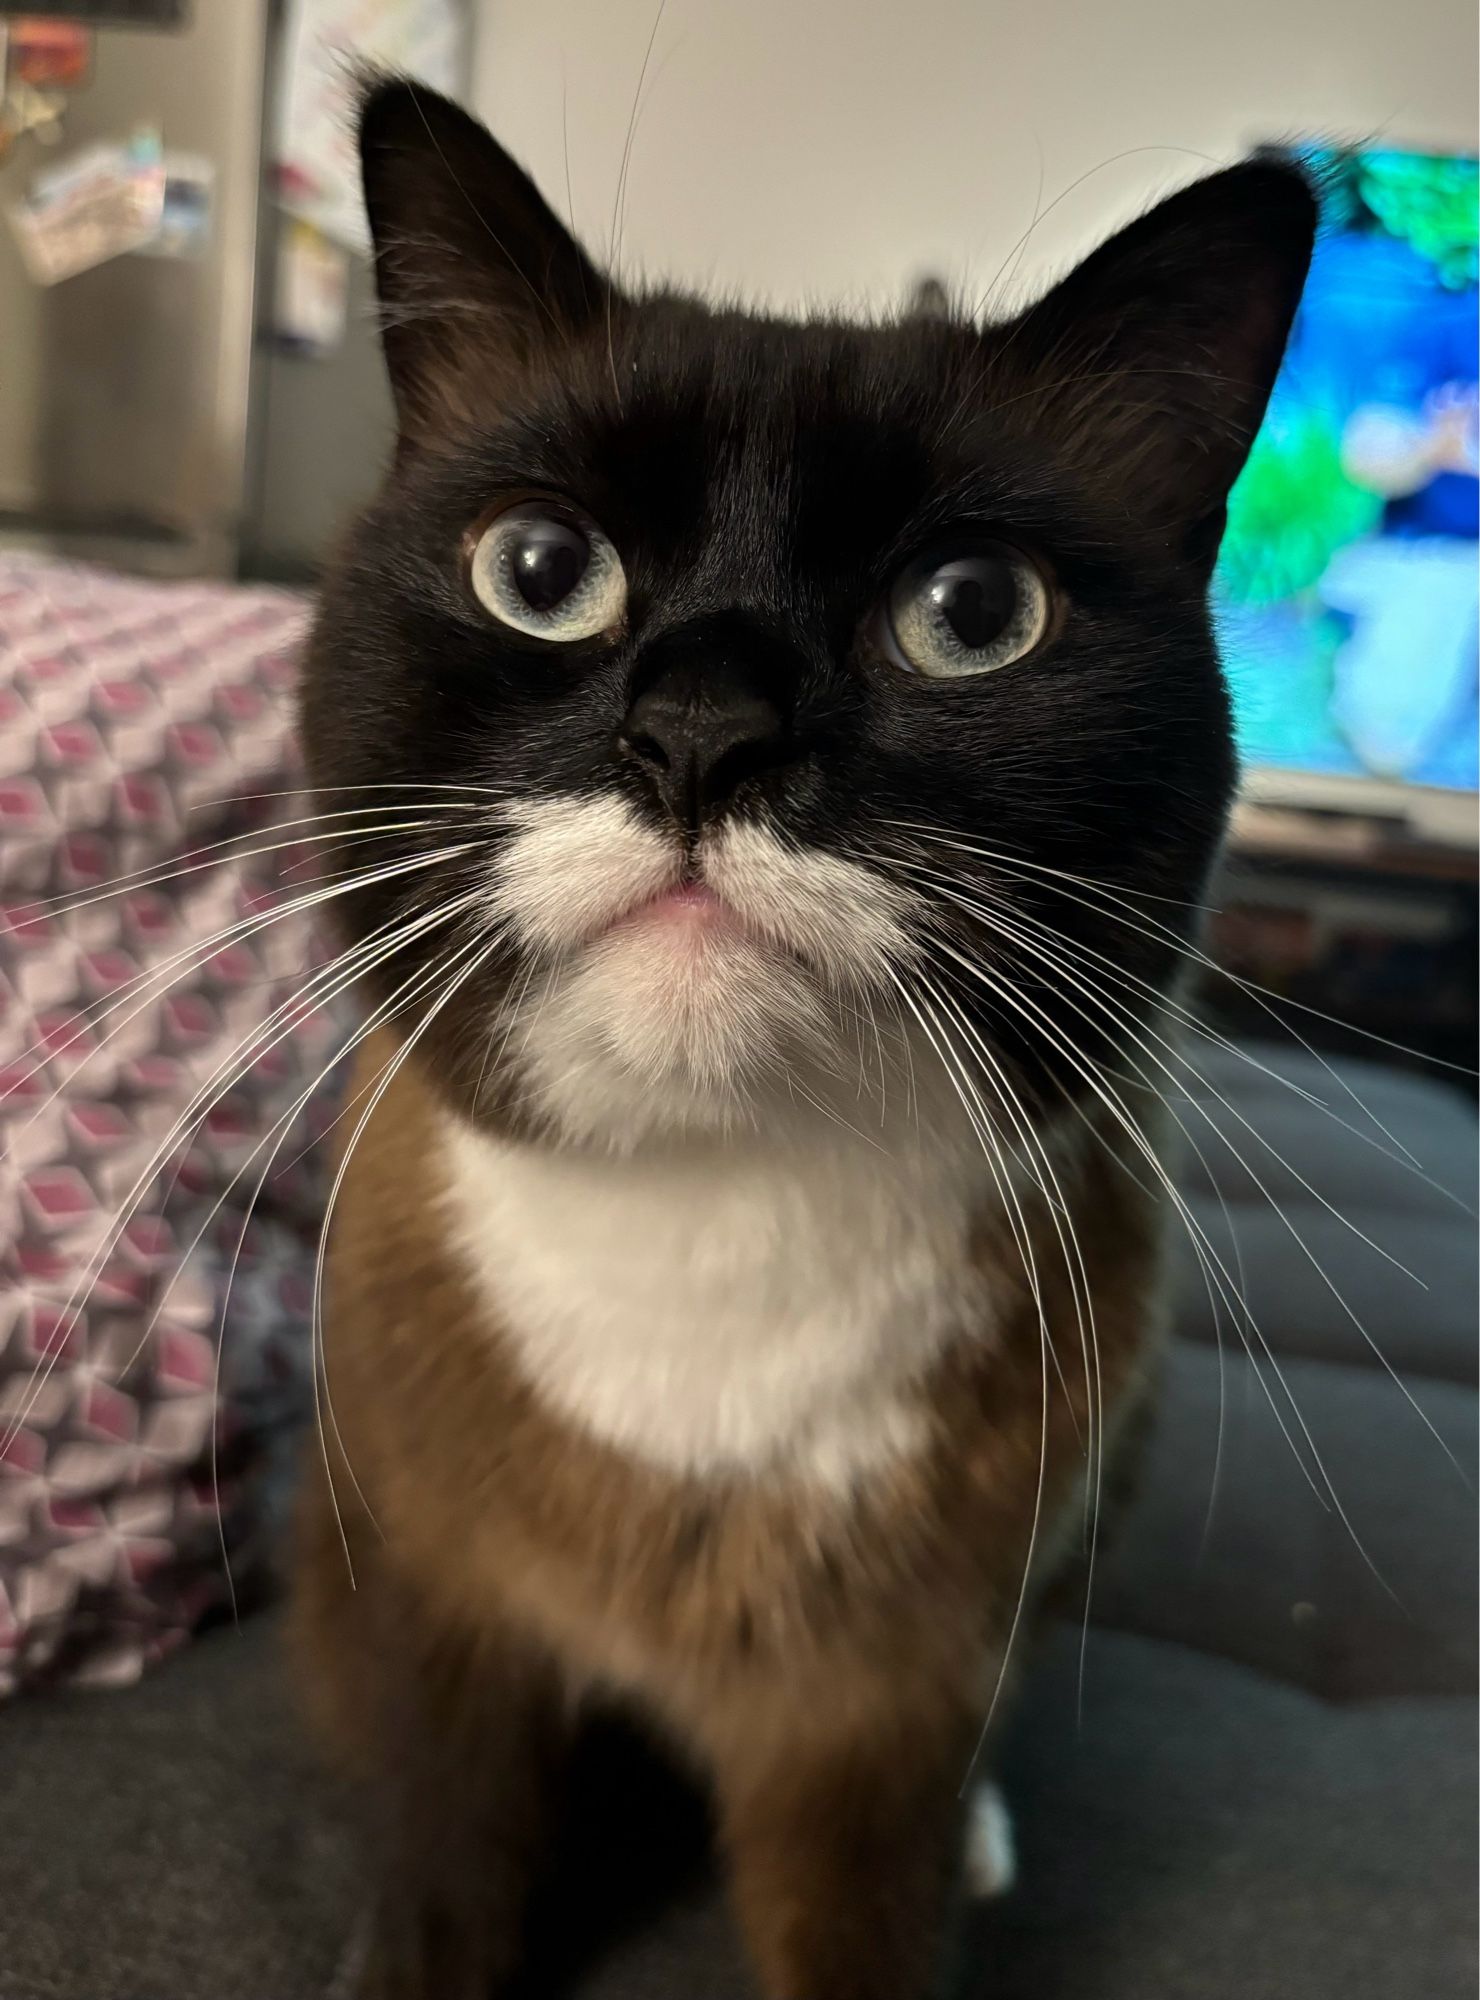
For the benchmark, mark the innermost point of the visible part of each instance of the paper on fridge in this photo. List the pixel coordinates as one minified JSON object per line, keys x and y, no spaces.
{"x":318,"y":175}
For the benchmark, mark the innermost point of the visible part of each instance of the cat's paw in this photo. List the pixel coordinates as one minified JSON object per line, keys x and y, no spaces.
{"x":991,"y":1851}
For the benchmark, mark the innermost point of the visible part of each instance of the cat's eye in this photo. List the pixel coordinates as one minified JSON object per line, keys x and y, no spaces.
{"x":967,"y":613}
{"x":549,"y":572}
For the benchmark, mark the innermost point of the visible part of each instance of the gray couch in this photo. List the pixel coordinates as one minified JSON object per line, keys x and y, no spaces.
{"x":1269,"y":1789}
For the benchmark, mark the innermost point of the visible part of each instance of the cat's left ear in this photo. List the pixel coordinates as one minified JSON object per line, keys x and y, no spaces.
{"x":1158,"y":353}
{"x":476,"y":275}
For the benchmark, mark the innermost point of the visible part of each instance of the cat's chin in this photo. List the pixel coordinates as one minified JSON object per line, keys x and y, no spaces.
{"x":669,"y":1024}
{"x":678,"y":998}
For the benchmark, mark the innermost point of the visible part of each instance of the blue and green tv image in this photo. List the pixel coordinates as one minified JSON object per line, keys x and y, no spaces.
{"x":1346,"y":590}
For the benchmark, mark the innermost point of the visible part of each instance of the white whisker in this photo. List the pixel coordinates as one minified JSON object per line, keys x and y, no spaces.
{"x":1202,"y":1244}
{"x":1107,"y":899}
{"x":1122,"y":1019}
{"x":201,"y":950}
{"x":1061,"y":1214}
{"x":221,"y":853}
{"x":232,"y":1067}
{"x":475,"y":956}
{"x":1001,"y":1175}
{"x":1005,"y":993}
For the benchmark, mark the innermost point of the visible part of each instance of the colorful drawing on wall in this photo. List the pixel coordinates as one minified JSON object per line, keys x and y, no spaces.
{"x":1347,"y":591}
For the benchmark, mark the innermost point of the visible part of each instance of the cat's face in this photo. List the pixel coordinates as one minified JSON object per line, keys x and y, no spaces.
{"x":796,"y":704}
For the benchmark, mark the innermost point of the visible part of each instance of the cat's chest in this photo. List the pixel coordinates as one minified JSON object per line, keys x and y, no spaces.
{"x":720,"y":1310}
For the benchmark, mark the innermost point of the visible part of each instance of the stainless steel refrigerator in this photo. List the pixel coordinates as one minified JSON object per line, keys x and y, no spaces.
{"x":149,"y":415}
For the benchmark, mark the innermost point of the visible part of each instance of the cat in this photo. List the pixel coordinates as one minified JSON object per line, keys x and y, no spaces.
{"x":744,"y":1272}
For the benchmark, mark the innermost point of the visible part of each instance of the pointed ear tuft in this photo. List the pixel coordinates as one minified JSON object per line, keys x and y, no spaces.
{"x":1159,"y":351}
{"x":475,"y":274}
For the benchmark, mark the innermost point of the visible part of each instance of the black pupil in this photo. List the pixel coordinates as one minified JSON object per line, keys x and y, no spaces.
{"x":976,"y":598}
{"x":548,"y":560}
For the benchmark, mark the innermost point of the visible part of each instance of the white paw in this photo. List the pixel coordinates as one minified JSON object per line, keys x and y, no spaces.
{"x":991,"y":1852}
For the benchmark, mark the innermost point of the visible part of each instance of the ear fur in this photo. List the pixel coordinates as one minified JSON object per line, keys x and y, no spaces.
{"x":474,"y":272}
{"x":1165,"y":342}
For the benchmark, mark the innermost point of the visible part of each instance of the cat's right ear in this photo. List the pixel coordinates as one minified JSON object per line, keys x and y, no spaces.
{"x":476,"y":276}
{"x":1156,"y":356}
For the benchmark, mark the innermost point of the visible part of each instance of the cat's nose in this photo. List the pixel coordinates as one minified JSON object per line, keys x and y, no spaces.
{"x":698,"y":730}
{"x":695,"y":752}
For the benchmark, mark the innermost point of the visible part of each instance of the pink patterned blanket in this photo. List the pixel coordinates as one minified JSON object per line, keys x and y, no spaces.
{"x":148,"y":1044}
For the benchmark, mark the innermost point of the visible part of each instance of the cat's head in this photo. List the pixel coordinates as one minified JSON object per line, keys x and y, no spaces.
{"x":738,"y":707}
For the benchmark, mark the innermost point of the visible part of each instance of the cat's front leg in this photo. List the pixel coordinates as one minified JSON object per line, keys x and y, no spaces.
{"x":455,"y":1743}
{"x":844,"y":1861}
{"x":459,"y":1802}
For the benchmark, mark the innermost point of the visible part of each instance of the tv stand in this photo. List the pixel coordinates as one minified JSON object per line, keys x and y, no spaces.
{"x":1358,"y":917}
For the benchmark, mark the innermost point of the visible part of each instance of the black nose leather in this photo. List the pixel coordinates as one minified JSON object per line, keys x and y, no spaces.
{"x":711,"y":709}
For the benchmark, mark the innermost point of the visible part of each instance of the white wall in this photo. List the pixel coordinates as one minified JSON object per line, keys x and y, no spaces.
{"x":831,"y":149}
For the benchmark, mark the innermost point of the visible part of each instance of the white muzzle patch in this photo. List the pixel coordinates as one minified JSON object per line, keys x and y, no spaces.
{"x":638,"y":1016}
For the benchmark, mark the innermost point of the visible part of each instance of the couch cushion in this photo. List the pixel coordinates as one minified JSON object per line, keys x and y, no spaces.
{"x":1424,"y":1322}
{"x":1260,"y":1569}
{"x":1209,"y":1833}
{"x":1354,"y":1120}
{"x":169,"y":1841}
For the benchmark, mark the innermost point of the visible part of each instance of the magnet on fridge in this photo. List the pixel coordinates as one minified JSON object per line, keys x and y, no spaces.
{"x":90,"y":207}
{"x":189,"y":203}
{"x":47,"y":54}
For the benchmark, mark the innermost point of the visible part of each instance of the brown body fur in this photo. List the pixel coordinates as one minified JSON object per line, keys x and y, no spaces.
{"x":825,"y":1663}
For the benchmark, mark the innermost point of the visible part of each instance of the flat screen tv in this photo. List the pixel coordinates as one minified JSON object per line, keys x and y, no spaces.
{"x":1347,"y":586}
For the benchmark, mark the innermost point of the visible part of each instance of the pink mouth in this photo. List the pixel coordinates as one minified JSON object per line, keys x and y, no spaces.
{"x":685,"y":896}
{"x":693,"y":905}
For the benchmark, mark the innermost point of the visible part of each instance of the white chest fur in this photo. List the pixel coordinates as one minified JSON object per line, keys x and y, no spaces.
{"x":728,"y":1306}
